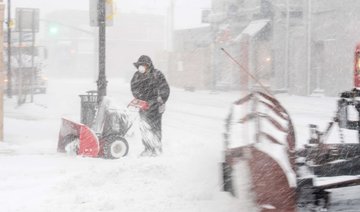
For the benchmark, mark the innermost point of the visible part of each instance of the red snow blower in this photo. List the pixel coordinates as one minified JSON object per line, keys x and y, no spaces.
{"x":101,"y":131}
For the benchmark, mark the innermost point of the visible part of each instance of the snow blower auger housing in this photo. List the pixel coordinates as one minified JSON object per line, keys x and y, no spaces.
{"x":101,"y":133}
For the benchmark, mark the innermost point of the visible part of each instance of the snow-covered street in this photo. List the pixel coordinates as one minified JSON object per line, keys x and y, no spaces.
{"x":186,"y":177}
{"x":261,"y":101}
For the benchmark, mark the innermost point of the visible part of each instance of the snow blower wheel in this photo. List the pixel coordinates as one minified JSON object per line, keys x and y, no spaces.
{"x":115,"y":148}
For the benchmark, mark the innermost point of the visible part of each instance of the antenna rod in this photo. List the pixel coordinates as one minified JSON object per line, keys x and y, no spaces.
{"x":246,"y":71}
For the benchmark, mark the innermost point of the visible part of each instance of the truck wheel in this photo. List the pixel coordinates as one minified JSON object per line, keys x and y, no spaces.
{"x":115,"y":148}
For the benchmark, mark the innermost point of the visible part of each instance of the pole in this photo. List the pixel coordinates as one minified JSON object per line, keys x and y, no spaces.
{"x":171,"y":25}
{"x":286,"y":69}
{"x":9,"y":74}
{"x":102,"y":82}
{"x":33,"y":69}
{"x":96,"y":53}
{"x":2,"y":8}
{"x":213,"y":65}
{"x":20,"y":99}
{"x":169,"y":30}
{"x":246,"y":71}
{"x":308,"y":47}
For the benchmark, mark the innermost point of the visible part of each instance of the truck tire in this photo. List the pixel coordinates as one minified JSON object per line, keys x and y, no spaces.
{"x":115,"y":147}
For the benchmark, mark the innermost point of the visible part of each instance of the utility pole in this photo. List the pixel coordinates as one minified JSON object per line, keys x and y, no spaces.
{"x":102,"y":82}
{"x":308,"y":40}
{"x":9,"y":74}
{"x":171,"y":26}
{"x":287,"y":40}
{"x":33,"y":69}
{"x":20,"y":98}
{"x":2,"y":8}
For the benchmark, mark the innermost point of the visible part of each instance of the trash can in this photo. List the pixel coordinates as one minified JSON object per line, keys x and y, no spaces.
{"x":88,"y":108}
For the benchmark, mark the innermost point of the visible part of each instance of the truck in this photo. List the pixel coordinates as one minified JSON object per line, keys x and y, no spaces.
{"x":282,"y":177}
{"x":27,"y":64}
{"x":28,"y":61}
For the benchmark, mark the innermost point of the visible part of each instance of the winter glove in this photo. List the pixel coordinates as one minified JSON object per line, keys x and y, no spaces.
{"x":137,"y":103}
{"x":160,"y":100}
{"x":161,"y":104}
{"x":162,"y":108}
{"x":144,"y":105}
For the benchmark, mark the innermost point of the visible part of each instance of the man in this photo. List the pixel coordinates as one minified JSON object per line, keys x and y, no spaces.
{"x":149,"y":84}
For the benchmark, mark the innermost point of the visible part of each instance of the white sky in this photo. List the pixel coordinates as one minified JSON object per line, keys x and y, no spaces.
{"x":187,"y":12}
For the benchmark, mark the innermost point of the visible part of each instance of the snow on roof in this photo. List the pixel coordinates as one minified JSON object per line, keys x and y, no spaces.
{"x":253,"y":28}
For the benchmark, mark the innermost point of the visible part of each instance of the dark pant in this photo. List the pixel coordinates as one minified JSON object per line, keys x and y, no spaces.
{"x":150,"y":127}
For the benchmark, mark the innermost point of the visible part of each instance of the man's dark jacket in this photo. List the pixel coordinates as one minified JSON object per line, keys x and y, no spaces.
{"x":148,"y":86}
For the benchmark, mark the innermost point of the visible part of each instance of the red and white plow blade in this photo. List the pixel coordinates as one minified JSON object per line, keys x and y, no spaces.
{"x":259,"y":133}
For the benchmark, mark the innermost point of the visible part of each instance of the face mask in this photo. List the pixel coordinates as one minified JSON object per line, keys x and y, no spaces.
{"x":142,"y":69}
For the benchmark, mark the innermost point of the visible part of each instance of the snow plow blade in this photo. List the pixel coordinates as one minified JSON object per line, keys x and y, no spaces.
{"x":80,"y":137}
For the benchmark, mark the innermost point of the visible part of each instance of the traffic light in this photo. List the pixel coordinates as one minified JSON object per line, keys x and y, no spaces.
{"x":53,"y":29}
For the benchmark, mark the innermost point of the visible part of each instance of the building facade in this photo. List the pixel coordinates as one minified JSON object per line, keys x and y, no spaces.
{"x":189,"y":66}
{"x":2,"y":71}
{"x":302,"y":47}
{"x":314,"y":47}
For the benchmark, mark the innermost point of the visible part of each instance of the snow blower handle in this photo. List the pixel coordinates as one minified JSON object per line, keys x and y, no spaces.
{"x":140,"y":104}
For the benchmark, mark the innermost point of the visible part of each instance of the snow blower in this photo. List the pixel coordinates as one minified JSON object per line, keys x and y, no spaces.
{"x":101,"y":131}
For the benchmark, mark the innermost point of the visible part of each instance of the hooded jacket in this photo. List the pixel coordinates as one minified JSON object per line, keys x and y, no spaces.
{"x":150,"y":85}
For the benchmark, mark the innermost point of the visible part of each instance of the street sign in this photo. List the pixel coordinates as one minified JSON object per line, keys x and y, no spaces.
{"x":94,"y":12}
{"x":26,"y":37}
{"x":27,"y":20}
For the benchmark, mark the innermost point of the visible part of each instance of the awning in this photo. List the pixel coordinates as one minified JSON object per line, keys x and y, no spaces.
{"x":253,"y":28}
